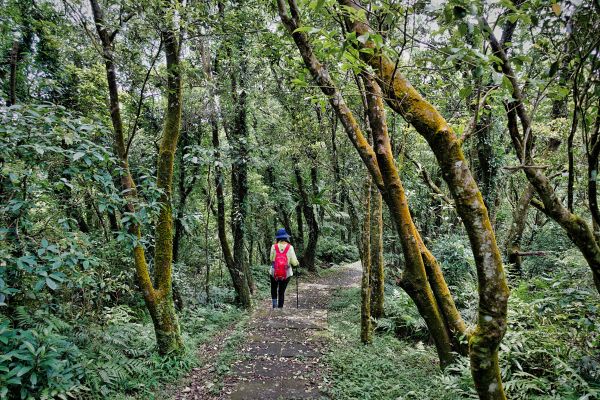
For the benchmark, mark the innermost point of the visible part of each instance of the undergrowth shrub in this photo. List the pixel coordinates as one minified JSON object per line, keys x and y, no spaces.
{"x":334,"y":250}
{"x":402,"y":317}
{"x":550,"y":350}
{"x":38,"y":363}
{"x":387,"y":369}
{"x":115,"y":356}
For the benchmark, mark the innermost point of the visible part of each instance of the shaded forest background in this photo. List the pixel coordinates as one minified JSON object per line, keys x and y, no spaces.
{"x":149,"y":150}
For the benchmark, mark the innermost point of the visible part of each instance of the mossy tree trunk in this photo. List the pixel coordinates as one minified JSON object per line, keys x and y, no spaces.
{"x":376,"y":280}
{"x":158,"y":296}
{"x":365,"y":290}
{"x":515,"y":232}
{"x":414,"y":279}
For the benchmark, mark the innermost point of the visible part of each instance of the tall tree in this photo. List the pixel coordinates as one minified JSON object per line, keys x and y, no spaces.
{"x":404,"y":99}
{"x":576,"y":227}
{"x":238,"y":275}
{"x":158,"y":296}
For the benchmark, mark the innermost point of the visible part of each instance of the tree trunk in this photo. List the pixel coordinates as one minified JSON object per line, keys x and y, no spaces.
{"x":376,"y":273}
{"x":300,"y":225}
{"x":486,"y":170}
{"x":12,"y":82}
{"x":239,"y":169}
{"x":365,"y":290}
{"x":307,"y":259}
{"x":515,"y":233}
{"x":238,"y":278}
{"x":571,"y":159}
{"x":592,"y":158}
{"x":159,"y":298}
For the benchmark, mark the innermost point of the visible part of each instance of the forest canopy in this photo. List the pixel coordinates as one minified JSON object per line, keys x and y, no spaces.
{"x":151,"y":150}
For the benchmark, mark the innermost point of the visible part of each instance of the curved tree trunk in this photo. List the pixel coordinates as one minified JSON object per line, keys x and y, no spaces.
{"x":414,"y":280}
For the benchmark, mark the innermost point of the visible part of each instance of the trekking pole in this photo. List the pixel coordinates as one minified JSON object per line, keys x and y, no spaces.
{"x":297,"y":306}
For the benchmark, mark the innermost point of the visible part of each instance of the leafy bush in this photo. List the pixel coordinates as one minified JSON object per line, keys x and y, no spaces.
{"x":120,"y":355}
{"x":333,"y":250}
{"x":38,"y":363}
{"x":456,"y":258}
{"x":402,"y":317}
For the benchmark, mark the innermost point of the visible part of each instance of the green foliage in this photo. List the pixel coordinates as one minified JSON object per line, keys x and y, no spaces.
{"x":38,"y":361}
{"x":402,"y":318}
{"x":456,"y":259}
{"x":549,"y":351}
{"x":334,"y":250}
{"x":550,"y":238}
{"x":387,"y":369}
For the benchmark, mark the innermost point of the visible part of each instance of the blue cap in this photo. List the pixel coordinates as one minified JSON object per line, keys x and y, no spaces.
{"x":282,"y":234}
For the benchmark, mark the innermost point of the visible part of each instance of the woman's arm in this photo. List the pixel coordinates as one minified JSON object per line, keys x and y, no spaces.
{"x":292,"y":257}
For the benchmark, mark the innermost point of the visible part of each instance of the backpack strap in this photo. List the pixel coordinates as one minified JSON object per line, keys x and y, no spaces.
{"x":286,"y":248}
{"x":276,"y":245}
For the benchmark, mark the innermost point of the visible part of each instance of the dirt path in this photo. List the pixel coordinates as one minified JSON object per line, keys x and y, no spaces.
{"x":280,"y":355}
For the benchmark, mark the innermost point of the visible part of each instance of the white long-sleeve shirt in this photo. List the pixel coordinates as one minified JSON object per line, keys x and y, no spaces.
{"x":291,"y":256}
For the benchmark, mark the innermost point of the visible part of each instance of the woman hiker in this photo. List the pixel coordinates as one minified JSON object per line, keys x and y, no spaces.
{"x":283,"y":258}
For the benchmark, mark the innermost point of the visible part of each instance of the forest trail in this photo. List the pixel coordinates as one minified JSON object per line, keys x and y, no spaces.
{"x":280,"y":355}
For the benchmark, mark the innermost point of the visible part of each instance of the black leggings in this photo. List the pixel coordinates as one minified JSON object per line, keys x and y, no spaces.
{"x":278,"y":290}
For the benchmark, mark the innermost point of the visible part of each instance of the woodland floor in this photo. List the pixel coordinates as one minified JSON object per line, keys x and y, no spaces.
{"x":277,"y":353}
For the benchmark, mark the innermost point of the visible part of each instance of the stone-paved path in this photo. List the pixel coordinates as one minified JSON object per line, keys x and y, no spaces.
{"x":282,"y":350}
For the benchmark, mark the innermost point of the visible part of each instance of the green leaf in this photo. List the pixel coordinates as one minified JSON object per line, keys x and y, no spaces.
{"x":507,"y":84}
{"x":24,"y":369}
{"x":29,"y":346}
{"x":51,"y":284}
{"x":465,"y":92}
{"x":78,"y":155}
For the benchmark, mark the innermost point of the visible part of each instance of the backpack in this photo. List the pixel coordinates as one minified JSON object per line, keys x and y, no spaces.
{"x":280,"y":265}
